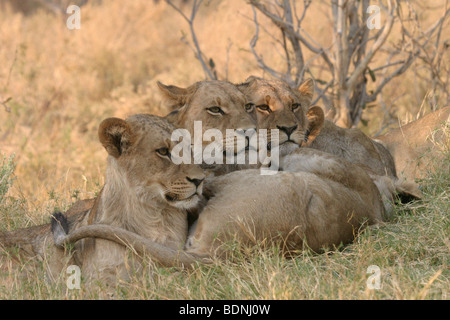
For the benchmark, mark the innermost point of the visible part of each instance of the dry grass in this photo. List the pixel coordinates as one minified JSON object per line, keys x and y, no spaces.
{"x":62,"y":83}
{"x":411,"y":252}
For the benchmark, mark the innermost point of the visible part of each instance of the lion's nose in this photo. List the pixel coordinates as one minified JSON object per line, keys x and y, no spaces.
{"x":248,"y":132}
{"x":196,"y":182}
{"x":287,"y":130}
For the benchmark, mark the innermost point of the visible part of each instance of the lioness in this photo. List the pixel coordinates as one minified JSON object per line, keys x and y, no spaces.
{"x":280,"y":106}
{"x":304,"y":208}
{"x":415,"y":145}
{"x":213,"y":105}
{"x":144,"y":193}
{"x":271,"y":97}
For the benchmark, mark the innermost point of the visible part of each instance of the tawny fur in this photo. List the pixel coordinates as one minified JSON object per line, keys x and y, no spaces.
{"x":323,"y":203}
{"x":417,"y":144}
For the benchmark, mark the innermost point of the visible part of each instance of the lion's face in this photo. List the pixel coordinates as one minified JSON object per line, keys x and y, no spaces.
{"x":140,"y":155}
{"x":279,"y":107}
{"x":218,"y":105}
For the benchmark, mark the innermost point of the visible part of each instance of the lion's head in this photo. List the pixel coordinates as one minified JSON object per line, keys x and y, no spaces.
{"x":218,"y":105}
{"x":279,"y":107}
{"x":140,"y":161}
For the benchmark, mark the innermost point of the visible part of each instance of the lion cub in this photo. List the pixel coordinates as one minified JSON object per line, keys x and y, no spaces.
{"x":144,"y":193}
{"x":280,"y":106}
{"x":213,"y":105}
{"x":273,"y":97}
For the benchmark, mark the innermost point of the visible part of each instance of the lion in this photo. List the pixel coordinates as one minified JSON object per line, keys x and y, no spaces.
{"x":273,"y":97}
{"x":295,"y":209}
{"x":417,"y":144}
{"x":280,"y":106}
{"x":144,"y":193}
{"x":216,"y":105}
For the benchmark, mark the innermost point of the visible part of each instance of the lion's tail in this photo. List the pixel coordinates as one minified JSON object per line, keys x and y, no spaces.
{"x":5,"y":239}
{"x":10,"y":239}
{"x":163,"y":255}
{"x":22,"y":237}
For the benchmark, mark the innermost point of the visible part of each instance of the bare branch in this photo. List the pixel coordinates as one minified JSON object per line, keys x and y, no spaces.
{"x":4,"y":102}
{"x":258,"y":58}
{"x":322,"y":92}
{"x":400,"y":70}
{"x":390,"y":64}
{"x":360,"y":68}
{"x":209,"y":72}
{"x":415,"y":53}
{"x":170,"y":3}
{"x":293,"y":40}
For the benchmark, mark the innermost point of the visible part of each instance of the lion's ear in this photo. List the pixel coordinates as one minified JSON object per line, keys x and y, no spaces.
{"x":407,"y":190}
{"x":316,"y":119}
{"x":252,"y":78}
{"x":116,"y":136}
{"x":247,"y":84}
{"x":173,"y":95}
{"x":306,"y":90}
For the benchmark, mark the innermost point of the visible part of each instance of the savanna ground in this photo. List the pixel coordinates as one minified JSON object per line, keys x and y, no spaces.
{"x":58,"y":84}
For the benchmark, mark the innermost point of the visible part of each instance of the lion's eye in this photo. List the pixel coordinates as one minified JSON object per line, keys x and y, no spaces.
{"x":264,"y":107}
{"x":215,"y":110}
{"x":249,"y":107}
{"x":163,"y":152}
{"x":295,"y":106}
